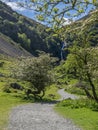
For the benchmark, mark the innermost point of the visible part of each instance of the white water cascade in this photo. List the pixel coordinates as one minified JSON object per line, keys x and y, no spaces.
{"x":64,"y":45}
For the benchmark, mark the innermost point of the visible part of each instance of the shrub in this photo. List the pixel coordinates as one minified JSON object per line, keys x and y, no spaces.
{"x":1,"y":64}
{"x":7,"y":89}
{"x":79,"y":103}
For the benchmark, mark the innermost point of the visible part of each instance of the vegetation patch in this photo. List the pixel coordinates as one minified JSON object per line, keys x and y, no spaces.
{"x":6,"y":103}
{"x":51,"y":93}
{"x":83,"y":112}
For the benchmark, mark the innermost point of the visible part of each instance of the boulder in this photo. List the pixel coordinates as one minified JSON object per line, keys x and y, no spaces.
{"x":16,"y":86}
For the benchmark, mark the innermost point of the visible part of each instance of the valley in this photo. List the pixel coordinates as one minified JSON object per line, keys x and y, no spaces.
{"x":48,"y":75}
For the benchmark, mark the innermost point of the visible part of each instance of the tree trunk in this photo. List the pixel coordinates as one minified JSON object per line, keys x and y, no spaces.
{"x":88,"y":94}
{"x":93,"y":87}
{"x":43,"y":93}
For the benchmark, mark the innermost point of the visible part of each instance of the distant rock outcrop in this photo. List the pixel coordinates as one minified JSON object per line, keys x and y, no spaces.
{"x":10,"y":48}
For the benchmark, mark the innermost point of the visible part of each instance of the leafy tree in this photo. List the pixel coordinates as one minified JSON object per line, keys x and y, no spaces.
{"x":24,"y":40}
{"x":82,"y":64}
{"x":37,"y":72}
{"x":50,"y":11}
{"x":54,"y":12}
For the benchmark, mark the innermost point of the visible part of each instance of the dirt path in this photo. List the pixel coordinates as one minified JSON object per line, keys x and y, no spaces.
{"x":38,"y":116}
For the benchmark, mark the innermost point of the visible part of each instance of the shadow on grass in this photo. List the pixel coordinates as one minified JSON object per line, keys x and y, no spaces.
{"x":32,"y":99}
{"x":46,"y":101}
{"x":42,"y":101}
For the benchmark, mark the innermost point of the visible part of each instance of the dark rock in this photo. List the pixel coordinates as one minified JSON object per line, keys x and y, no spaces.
{"x":16,"y":86}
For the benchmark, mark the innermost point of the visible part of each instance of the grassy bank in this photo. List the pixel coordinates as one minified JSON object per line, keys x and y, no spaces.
{"x":51,"y":93}
{"x":6,"y":104}
{"x":85,"y":118}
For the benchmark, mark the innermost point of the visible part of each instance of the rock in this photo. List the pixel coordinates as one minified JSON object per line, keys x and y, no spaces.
{"x":16,"y":86}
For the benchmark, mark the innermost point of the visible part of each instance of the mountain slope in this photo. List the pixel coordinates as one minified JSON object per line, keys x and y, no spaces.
{"x":28,"y":33}
{"x":10,"y":48}
{"x":86,"y":27}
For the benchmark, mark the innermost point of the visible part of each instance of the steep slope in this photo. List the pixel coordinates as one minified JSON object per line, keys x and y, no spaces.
{"x":10,"y":48}
{"x":85,"y":27}
{"x":28,"y":33}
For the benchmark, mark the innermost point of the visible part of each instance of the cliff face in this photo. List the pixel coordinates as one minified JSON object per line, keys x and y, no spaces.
{"x":10,"y":48}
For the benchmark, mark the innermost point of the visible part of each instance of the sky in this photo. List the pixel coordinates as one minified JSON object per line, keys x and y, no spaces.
{"x":31,"y":13}
{"x":21,"y":10}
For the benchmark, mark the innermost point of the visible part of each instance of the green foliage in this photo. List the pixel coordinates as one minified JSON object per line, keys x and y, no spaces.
{"x":1,"y":64}
{"x":79,"y":103}
{"x":83,"y":112}
{"x":50,"y":10}
{"x":85,"y":69}
{"x":82,"y":65}
{"x":7,"y":89}
{"x":85,"y":27}
{"x":26,"y":43}
{"x":37,"y":72}
{"x":51,"y":93}
{"x":71,"y":88}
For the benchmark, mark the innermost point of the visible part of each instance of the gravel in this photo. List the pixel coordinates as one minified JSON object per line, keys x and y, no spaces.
{"x":38,"y":116}
{"x":65,"y":95}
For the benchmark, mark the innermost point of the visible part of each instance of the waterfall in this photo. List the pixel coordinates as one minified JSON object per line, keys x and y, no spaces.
{"x":63,"y":44}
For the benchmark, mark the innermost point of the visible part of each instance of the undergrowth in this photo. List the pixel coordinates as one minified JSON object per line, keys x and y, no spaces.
{"x":79,"y":103}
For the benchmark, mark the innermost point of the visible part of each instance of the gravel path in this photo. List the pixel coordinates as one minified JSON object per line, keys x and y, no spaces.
{"x":65,"y":95}
{"x":38,"y":116}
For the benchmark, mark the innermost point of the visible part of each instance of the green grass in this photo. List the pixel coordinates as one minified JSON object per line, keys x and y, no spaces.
{"x":82,"y":117}
{"x":52,"y":90}
{"x":71,"y":88}
{"x":6,"y":103}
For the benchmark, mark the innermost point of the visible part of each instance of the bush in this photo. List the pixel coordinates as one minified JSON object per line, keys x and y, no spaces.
{"x":79,"y":103}
{"x":1,"y":64}
{"x":94,"y":106}
{"x":7,"y":89}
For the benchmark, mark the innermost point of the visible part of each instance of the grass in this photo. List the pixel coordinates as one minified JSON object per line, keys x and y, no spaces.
{"x":71,"y":88}
{"x":6,"y":103}
{"x":51,"y":93}
{"x":83,"y":117}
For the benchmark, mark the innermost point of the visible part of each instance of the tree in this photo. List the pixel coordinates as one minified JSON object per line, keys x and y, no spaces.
{"x":82,"y":64}
{"x":24,"y":40}
{"x":54,"y":11}
{"x":35,"y":70}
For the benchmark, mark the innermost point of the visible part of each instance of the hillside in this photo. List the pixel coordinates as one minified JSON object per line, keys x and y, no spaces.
{"x":28,"y":33}
{"x":10,"y":48}
{"x":86,"y":27}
